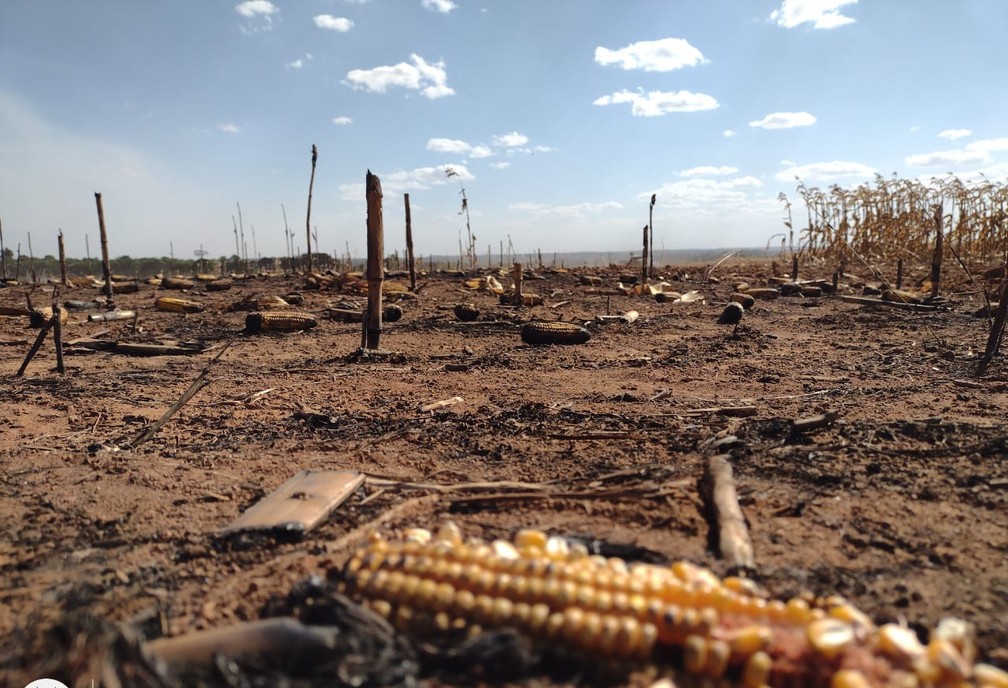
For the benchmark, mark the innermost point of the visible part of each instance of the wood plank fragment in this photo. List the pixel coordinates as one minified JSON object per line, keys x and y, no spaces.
{"x":299,"y":504}
{"x":732,"y":535}
{"x":277,"y":642}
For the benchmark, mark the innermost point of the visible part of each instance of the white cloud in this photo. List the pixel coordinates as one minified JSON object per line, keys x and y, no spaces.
{"x":448,"y":146}
{"x":706,"y":196}
{"x":417,"y":179}
{"x":708,"y":170}
{"x":429,"y":79}
{"x":663,"y":55}
{"x":457,"y":147}
{"x":578,"y":210}
{"x":342,"y":121}
{"x":657,"y":103}
{"x":822,"y":14}
{"x":442,"y":6}
{"x":988,"y":145}
{"x":953,"y":134}
{"x":259,"y":14}
{"x":296,"y":64}
{"x":948,"y":158}
{"x":327,"y":21}
{"x":784,"y":120}
{"x":254,"y":8}
{"x":500,"y":165}
{"x":228,"y":128}
{"x":511,"y":140}
{"x":728,"y":133}
{"x":825,"y":171}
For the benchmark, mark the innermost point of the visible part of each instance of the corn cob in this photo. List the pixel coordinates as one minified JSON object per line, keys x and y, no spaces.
{"x":541,"y":332}
{"x":176,"y":283}
{"x":467,"y":312}
{"x":763,"y":293}
{"x":218,"y":285}
{"x":284,"y":321}
{"x":170,"y":304}
{"x":711,"y":631}
{"x":37,"y":317}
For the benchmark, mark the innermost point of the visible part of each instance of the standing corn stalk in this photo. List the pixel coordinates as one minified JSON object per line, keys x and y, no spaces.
{"x":470,"y":250}
{"x":311,"y":184}
{"x":650,"y":222}
{"x":375,"y":261}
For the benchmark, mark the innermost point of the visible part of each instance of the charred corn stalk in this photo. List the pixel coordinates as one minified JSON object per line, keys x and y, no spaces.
{"x":713,"y":632}
{"x":279,"y":321}
{"x":540,"y":332}
{"x":176,"y":283}
{"x":170,"y":304}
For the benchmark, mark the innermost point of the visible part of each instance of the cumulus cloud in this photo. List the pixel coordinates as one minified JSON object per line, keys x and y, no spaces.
{"x":664,"y":55}
{"x":417,"y":75}
{"x":989,"y":145}
{"x":327,"y":21}
{"x":457,"y":147}
{"x":342,"y":121}
{"x":657,"y":103}
{"x":503,"y":164}
{"x":258,"y":13}
{"x":448,"y":146}
{"x":706,"y":196}
{"x":728,"y":133}
{"x":228,"y":128}
{"x":825,"y":171}
{"x":822,"y":14}
{"x":948,"y":158}
{"x":577,"y":210}
{"x":708,"y":171}
{"x":953,"y":134}
{"x":511,"y":140}
{"x":296,"y":64}
{"x":784,"y":120}
{"x":442,"y":6}
{"x":401,"y":181}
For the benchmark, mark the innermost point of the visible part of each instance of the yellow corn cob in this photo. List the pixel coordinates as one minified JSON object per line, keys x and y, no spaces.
{"x":176,"y":283}
{"x":541,"y":332}
{"x":170,"y":304}
{"x":718,"y":632}
{"x":37,"y":317}
{"x":282,"y":321}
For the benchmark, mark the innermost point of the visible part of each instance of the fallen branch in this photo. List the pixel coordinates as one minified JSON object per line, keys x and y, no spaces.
{"x":199,"y":383}
{"x":36,"y":346}
{"x":718,"y":489}
{"x":898,"y":305}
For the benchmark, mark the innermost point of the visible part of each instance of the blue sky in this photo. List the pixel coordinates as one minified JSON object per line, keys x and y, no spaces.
{"x":560,"y":117}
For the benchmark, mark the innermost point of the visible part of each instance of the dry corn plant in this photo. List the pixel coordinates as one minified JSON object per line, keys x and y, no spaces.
{"x":893,"y":218}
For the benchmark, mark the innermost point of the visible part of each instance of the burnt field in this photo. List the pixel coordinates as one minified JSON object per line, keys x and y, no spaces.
{"x":896,"y":499}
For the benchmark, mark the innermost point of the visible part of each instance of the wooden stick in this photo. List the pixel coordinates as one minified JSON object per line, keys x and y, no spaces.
{"x":936,"y":259}
{"x":518,"y":275}
{"x":375,"y":264}
{"x":57,"y":328}
{"x":654,"y":197}
{"x":409,"y":245}
{"x":644,"y":258}
{"x":732,"y":540}
{"x":311,"y":183}
{"x":106,"y":270}
{"x":35,"y":347}
{"x":3,"y":254}
{"x":62,"y":259}
{"x":199,"y":383}
{"x":898,"y":305}
{"x":997,"y":328}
